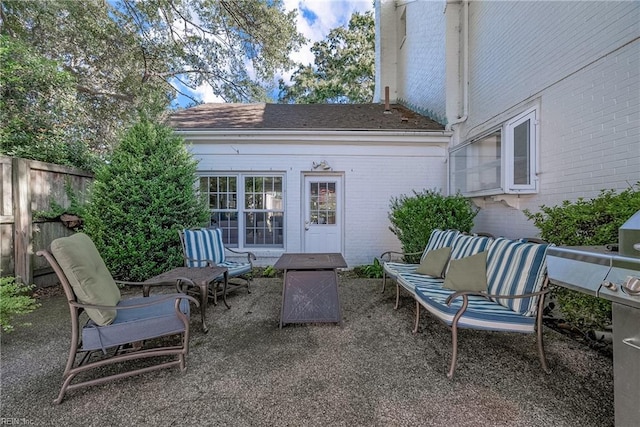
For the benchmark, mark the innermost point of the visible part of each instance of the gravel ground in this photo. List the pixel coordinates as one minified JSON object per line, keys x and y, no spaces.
{"x":372,"y":371}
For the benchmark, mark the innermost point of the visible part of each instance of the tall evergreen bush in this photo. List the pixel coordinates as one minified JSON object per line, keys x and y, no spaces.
{"x":140,"y":200}
{"x":413,"y":218}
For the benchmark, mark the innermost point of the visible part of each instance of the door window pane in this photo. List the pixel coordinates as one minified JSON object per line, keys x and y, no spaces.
{"x":322,"y":202}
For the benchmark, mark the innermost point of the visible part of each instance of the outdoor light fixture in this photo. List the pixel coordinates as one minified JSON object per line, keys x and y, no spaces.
{"x":323,"y":165}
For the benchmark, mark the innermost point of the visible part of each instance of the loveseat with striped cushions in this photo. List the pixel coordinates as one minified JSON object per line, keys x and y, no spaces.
{"x":392,"y":267}
{"x":462,"y":246}
{"x":513,"y":300}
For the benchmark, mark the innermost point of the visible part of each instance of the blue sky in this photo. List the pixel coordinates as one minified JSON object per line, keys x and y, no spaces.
{"x":315,"y":19}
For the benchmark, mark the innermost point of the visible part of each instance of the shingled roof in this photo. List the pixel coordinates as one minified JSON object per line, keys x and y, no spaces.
{"x":302,"y":116}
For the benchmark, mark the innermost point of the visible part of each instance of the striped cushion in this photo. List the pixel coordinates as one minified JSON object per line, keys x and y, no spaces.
{"x":204,"y":245}
{"x":516,"y":268}
{"x":410,"y":281}
{"x":465,"y":246}
{"x":235,"y":268}
{"x":439,"y":239}
{"x":481,"y":313}
{"x":393,"y":269}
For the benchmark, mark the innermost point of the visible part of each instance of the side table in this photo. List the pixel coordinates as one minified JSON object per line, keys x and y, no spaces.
{"x":201,"y":277}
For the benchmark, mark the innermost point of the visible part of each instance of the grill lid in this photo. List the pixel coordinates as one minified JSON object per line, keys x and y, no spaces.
{"x":597,"y":271}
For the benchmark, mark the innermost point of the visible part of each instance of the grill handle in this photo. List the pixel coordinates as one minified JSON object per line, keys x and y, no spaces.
{"x":630,"y":342}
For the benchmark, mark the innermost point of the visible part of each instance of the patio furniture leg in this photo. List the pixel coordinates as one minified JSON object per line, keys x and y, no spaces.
{"x":224,"y":289}
{"x":397,"y":296}
{"x":454,"y":337}
{"x":541,"y":355}
{"x":415,"y":326}
{"x":384,"y":281}
{"x":454,"y":353}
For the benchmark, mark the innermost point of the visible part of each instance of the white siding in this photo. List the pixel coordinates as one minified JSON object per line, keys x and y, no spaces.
{"x":372,"y":176}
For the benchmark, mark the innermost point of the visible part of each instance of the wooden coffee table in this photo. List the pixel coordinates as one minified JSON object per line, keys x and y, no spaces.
{"x":200,"y":277}
{"x":310,"y":287}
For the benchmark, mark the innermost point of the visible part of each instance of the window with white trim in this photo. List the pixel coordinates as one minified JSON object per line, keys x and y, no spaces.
{"x":249,"y":208}
{"x":501,"y":161}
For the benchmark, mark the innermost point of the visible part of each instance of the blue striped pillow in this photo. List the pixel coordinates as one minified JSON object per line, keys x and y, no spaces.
{"x":204,"y":245}
{"x":439,"y":239}
{"x":516,"y":268}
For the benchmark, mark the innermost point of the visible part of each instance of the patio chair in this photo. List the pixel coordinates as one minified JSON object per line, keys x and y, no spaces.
{"x":122,"y":330}
{"x":204,"y":246}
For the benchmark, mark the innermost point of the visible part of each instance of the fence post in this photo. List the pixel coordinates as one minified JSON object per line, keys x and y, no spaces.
{"x":22,"y":219}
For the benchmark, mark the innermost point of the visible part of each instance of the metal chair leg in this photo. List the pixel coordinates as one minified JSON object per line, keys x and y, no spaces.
{"x":454,"y":352}
{"x":415,"y":326}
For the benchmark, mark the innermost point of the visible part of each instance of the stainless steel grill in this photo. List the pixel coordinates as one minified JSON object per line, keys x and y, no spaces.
{"x":612,"y":273}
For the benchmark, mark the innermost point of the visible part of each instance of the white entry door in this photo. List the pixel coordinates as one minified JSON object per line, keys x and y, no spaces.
{"x":322,"y":221}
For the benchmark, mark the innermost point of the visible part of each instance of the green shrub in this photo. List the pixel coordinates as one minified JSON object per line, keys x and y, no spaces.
{"x":586,"y":223}
{"x":414,"y":218}
{"x":141,"y":199}
{"x":14,"y":299}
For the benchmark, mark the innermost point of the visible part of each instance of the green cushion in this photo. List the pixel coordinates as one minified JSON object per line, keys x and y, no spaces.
{"x":468,"y":273}
{"x":88,"y":275}
{"x":434,"y":263}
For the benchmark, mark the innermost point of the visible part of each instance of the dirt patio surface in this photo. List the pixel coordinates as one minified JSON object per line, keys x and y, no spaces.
{"x":372,"y":371}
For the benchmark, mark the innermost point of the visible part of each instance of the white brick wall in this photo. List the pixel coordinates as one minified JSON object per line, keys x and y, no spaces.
{"x":372,"y":175}
{"x":518,"y":49}
{"x":421,"y":59}
{"x":580,"y":61}
{"x":414,"y":69}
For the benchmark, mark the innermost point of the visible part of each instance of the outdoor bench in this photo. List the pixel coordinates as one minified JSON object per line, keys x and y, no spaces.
{"x":485,"y":283}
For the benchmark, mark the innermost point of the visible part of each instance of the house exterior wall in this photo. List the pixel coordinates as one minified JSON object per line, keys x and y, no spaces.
{"x":413,"y":65}
{"x":372,"y":175}
{"x":579,"y":61}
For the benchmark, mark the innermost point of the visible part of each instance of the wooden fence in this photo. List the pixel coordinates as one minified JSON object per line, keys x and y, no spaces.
{"x":28,"y":186}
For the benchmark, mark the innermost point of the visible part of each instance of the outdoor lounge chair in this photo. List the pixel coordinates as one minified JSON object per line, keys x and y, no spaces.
{"x":119,"y":329}
{"x":204,"y":246}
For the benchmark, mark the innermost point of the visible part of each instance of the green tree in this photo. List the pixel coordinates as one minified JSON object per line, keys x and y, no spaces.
{"x":131,"y":55}
{"x":343,"y":69}
{"x":37,"y":108}
{"x":141,"y":199}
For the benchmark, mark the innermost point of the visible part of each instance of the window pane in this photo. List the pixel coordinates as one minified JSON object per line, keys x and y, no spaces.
{"x":222,"y":202}
{"x":263,"y":216}
{"x":228,"y":222}
{"x":476,"y":167}
{"x":521,"y":161}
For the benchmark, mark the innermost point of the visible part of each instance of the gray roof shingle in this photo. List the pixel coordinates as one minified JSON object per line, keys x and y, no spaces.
{"x":302,"y":116}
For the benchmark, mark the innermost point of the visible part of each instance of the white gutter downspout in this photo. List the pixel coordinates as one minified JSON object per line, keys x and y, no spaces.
{"x":465,"y":67}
